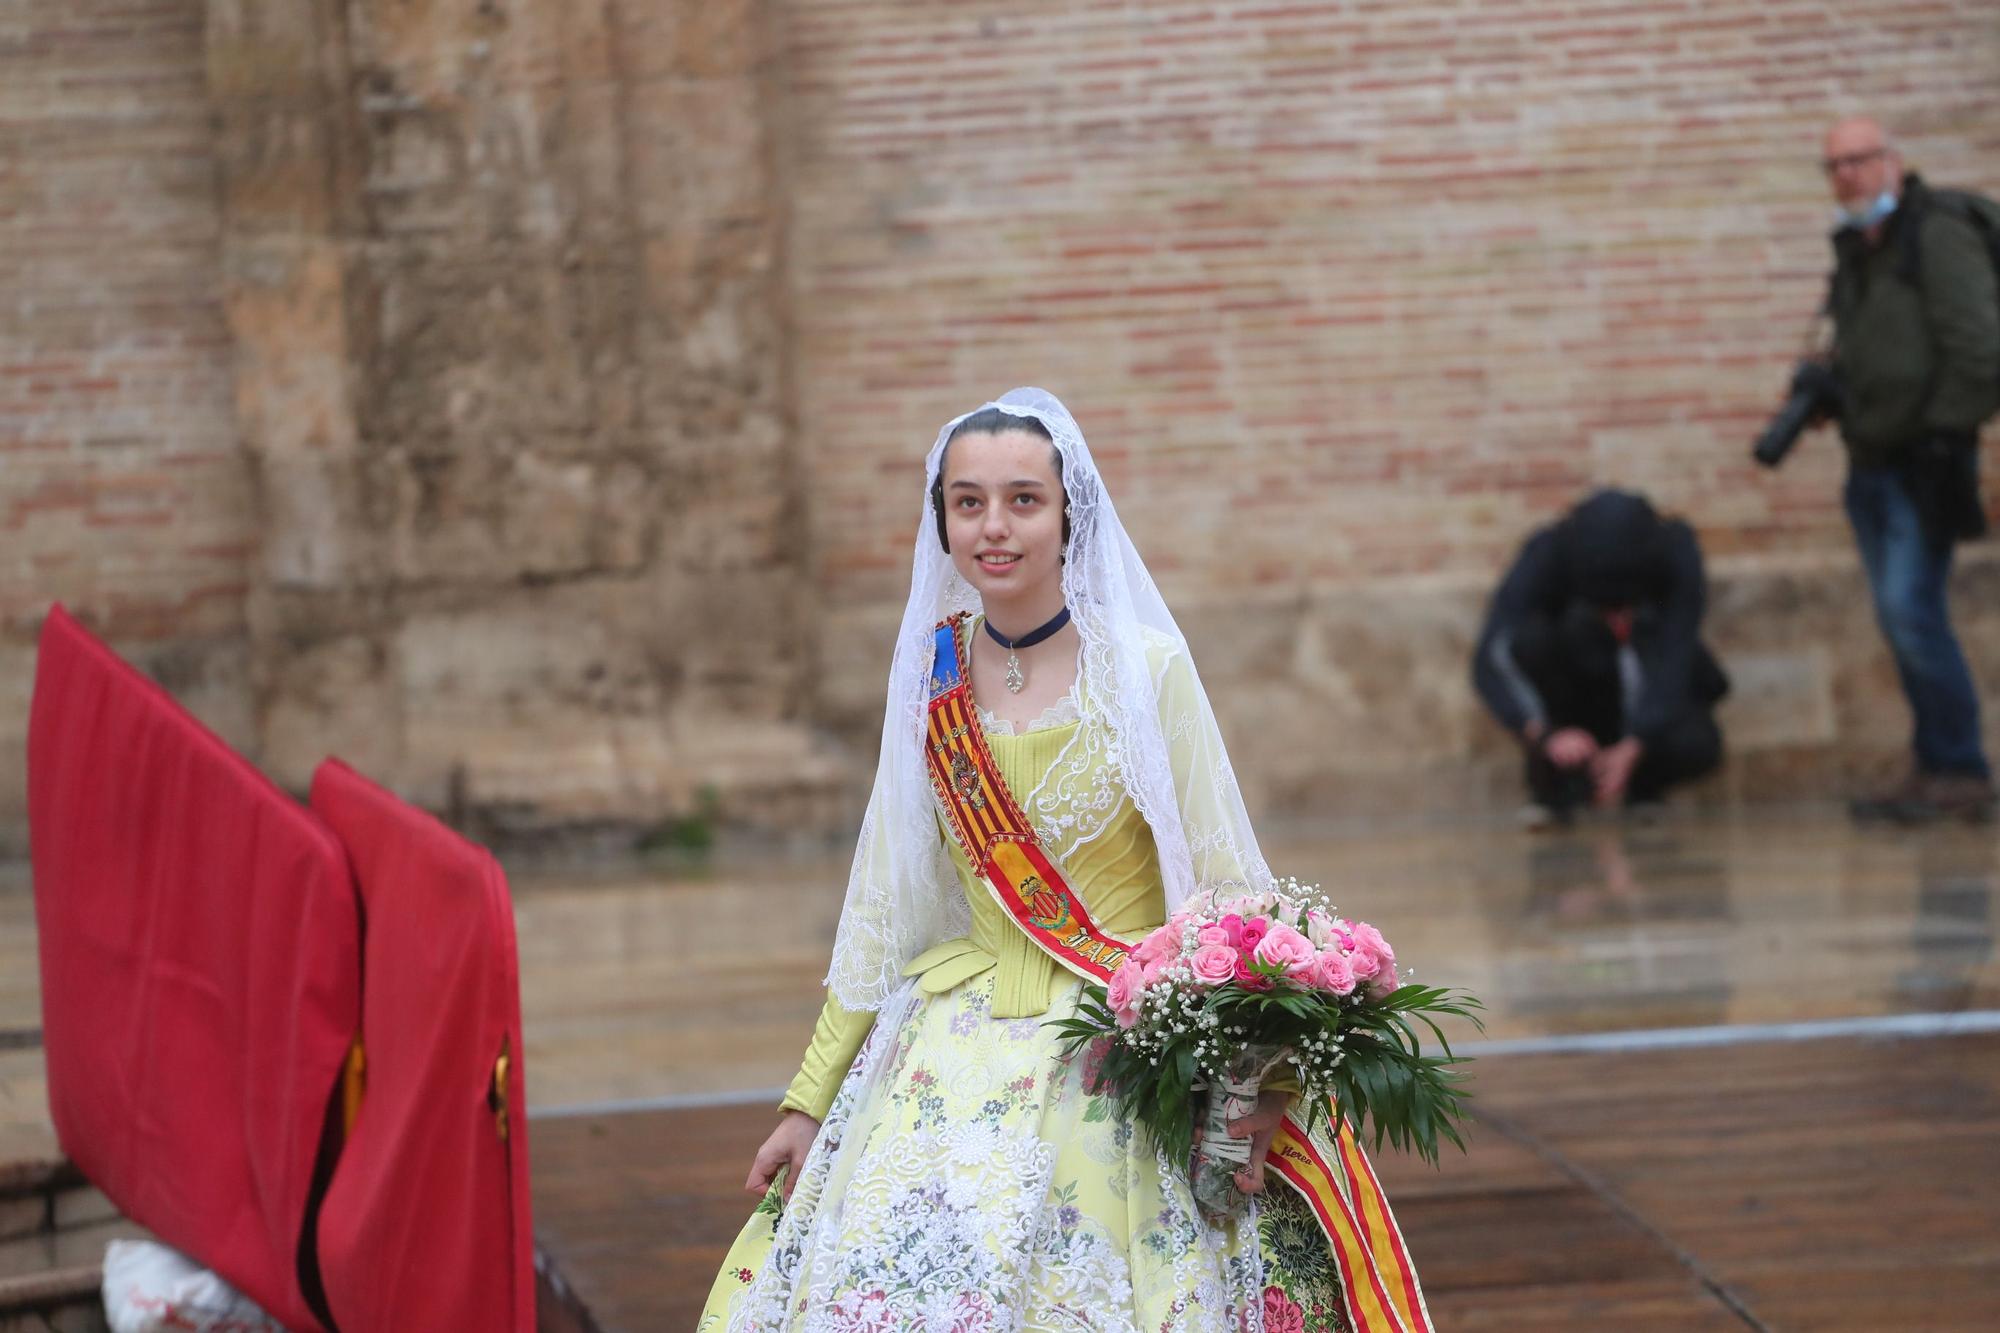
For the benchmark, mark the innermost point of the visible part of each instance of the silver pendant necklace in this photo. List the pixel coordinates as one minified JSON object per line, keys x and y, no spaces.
{"x":1015,"y":677}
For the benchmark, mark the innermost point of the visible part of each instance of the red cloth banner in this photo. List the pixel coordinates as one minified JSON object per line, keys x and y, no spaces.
{"x":200,"y":968}
{"x":427,"y":1223}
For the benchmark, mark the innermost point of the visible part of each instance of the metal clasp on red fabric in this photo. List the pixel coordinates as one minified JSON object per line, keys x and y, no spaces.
{"x":496,"y":1094}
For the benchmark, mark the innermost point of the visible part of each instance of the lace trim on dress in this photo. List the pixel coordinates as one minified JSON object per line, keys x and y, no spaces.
{"x":1062,"y":713}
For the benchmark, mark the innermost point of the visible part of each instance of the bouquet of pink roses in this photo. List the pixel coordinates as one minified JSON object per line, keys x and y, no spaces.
{"x":1233,"y":990}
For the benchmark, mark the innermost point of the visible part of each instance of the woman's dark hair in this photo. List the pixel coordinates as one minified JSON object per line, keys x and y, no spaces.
{"x":997,"y":421}
{"x":992,"y":421}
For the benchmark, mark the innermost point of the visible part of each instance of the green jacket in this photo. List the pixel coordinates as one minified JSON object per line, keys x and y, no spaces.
{"x":1917,"y":329}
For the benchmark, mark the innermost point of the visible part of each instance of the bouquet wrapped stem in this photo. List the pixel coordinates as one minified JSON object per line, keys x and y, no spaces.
{"x":1220,"y":1155}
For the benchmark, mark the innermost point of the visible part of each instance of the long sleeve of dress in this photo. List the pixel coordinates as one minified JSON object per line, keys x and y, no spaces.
{"x":837,"y":1037}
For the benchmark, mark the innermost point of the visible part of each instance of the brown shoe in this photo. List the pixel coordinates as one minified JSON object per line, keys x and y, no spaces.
{"x":1925,"y":798}
{"x":1963,"y":796}
{"x":1890,"y":806}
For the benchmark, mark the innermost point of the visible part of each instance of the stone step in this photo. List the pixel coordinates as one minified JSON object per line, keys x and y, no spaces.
{"x":53,"y":1229}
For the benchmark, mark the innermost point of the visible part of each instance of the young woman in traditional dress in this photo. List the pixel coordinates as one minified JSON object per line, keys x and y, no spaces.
{"x":1051,"y":784}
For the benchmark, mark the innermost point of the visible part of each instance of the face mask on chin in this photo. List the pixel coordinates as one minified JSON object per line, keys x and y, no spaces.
{"x":1870,"y":213}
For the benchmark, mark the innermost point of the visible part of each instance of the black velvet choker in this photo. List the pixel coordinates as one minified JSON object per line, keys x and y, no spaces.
{"x":1015,"y":680}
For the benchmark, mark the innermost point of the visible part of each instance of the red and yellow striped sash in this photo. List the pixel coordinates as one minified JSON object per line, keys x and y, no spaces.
{"x":1328,"y":1169}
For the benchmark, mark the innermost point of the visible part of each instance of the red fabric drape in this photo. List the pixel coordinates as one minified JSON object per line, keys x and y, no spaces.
{"x":200,"y":967}
{"x":426,"y":1224}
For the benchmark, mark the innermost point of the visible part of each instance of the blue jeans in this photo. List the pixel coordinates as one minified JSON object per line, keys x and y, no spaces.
{"x":1907,"y":573}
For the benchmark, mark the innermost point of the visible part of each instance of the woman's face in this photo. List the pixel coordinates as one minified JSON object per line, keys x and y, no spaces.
{"x":1003,"y":506}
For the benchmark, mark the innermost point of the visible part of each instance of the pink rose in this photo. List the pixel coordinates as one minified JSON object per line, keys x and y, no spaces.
{"x":1331,"y":973}
{"x":1213,"y":964}
{"x":1213,"y":935}
{"x":1119,"y":994}
{"x":1252,"y":935}
{"x":1281,"y":1313}
{"x":1385,"y":982}
{"x":1162,"y":943}
{"x":1369,"y":938}
{"x":1285,"y":948}
{"x":1231,"y":927}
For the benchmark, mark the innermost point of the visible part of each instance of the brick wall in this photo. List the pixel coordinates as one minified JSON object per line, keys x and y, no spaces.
{"x":1349,"y":296}
{"x":534,"y":392}
{"x":122,"y":491}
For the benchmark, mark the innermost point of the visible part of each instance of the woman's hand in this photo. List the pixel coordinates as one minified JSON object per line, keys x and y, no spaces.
{"x":787,"y":1147}
{"x":1260,"y":1126}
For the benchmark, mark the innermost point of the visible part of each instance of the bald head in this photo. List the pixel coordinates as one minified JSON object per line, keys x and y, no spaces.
{"x":1860,"y":162}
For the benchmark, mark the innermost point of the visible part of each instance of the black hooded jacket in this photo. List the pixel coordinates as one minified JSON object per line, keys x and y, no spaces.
{"x":1612,"y":550}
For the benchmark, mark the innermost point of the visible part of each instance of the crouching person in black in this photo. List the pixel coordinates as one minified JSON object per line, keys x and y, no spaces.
{"x":1591,"y":656}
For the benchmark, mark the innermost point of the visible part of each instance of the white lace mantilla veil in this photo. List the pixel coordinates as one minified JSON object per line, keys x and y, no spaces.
{"x":1142,"y":708}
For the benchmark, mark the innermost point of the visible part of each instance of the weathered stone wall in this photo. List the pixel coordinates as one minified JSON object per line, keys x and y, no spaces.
{"x":507,"y":281}
{"x":122,"y":491}
{"x":1350,"y":296}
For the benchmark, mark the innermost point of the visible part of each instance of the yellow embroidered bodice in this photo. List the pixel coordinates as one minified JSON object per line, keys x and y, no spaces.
{"x":1117,"y":873}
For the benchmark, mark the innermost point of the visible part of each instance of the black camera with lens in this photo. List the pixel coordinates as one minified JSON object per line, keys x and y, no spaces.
{"x":1816,"y":392}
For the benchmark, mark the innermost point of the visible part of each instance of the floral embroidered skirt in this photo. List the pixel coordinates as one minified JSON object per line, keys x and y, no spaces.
{"x":965,"y":1181}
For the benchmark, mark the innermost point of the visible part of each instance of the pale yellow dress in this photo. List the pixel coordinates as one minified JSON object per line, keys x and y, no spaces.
{"x":964,"y":1180}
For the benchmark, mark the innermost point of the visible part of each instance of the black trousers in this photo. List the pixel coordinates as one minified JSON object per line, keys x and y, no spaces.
{"x":1573,"y":664}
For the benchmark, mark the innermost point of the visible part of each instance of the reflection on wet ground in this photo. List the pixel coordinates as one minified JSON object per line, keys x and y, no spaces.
{"x":650,"y":983}
{"x":642,"y":987}
{"x":1684,"y":924}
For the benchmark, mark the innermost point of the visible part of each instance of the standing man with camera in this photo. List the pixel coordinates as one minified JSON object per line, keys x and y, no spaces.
{"x":1916,"y":357}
